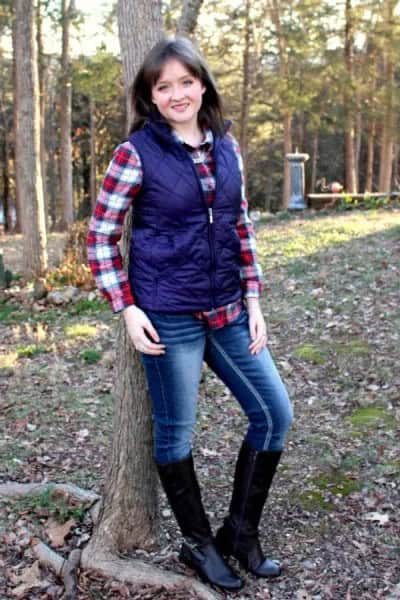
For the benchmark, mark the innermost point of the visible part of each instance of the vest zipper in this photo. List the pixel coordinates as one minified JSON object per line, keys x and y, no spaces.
{"x":210,"y":222}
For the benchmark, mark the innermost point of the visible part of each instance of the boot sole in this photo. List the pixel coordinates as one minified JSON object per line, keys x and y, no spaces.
{"x":189,"y":563}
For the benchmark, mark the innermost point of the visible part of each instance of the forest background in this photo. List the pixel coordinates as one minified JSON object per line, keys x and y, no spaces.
{"x":317,"y":76}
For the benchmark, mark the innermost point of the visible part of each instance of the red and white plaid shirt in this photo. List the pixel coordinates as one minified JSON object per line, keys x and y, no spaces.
{"x":121,"y":185}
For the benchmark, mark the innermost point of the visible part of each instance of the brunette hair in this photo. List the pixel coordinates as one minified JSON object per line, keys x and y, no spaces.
{"x":179,"y":48}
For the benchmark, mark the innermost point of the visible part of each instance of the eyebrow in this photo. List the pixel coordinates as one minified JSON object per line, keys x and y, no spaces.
{"x":167,"y":80}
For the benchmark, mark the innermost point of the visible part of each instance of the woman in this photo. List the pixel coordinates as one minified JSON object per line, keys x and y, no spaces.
{"x":192,"y":294}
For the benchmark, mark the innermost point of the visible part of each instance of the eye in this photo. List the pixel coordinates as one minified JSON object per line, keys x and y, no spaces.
{"x":162,"y":88}
{"x":188,"y":82}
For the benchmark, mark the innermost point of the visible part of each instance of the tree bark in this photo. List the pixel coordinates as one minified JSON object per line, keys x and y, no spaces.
{"x":65,"y":117}
{"x":369,"y":180}
{"x":93,"y":162}
{"x":188,"y":19}
{"x":388,"y":126}
{"x":349,"y":141}
{"x":146,"y":20}
{"x":245,"y":106}
{"x":42,"y":104}
{"x":28,"y":163}
{"x":18,"y":218}
{"x":5,"y":159}
{"x":287,"y":113}
{"x":128,"y":514}
{"x":314,"y":162}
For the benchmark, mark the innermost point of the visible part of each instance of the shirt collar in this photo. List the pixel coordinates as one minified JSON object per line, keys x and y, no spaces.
{"x":205,"y":145}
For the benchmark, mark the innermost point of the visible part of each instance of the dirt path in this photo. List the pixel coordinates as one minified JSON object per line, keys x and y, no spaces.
{"x":332,"y":307}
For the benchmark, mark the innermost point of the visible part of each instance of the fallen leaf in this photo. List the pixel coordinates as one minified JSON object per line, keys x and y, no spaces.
{"x":376,"y":517}
{"x":57,"y":533}
{"x":29,"y":578}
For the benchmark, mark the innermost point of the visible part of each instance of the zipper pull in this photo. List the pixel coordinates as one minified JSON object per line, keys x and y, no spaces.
{"x":210,"y":215}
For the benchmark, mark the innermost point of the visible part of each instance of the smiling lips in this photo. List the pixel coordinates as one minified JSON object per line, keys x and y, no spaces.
{"x":180,"y":107}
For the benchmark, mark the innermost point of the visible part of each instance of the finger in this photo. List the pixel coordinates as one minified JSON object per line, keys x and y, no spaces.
{"x":151,"y":351}
{"x":258,"y":344}
{"x":151,"y":331}
{"x":148,"y":345}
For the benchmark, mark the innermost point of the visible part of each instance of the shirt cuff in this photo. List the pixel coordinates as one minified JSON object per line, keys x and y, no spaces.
{"x":123,"y":300}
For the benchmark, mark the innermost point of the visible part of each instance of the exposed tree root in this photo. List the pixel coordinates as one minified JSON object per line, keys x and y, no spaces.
{"x":67,"y":570}
{"x":102,"y":562}
{"x":68,"y":490}
{"x":139,"y":572}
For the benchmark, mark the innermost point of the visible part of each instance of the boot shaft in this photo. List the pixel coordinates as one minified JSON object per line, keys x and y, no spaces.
{"x":180,"y":484}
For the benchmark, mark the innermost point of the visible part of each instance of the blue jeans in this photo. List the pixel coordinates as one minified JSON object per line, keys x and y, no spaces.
{"x":173,"y":380}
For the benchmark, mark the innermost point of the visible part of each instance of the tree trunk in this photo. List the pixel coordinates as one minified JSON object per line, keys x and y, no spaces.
{"x":357,"y":149}
{"x":287,"y":113}
{"x":128,"y":515}
{"x":245,"y":105}
{"x":189,"y":15}
{"x":369,"y":181}
{"x":146,"y":18}
{"x":314,"y":162}
{"x":349,"y":143}
{"x":287,"y":148}
{"x":28,"y":140}
{"x":42,"y":104}
{"x":93,"y":164}
{"x":18,"y":218}
{"x":5,"y":159}
{"x":388,"y":126}
{"x":65,"y":118}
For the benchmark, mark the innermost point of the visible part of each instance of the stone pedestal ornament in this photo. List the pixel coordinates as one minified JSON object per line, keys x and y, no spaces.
{"x":297,"y":161}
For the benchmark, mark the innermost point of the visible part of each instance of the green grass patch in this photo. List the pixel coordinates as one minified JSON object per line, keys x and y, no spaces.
{"x":90,"y":356}
{"x":337,"y":482}
{"x":47,"y":504}
{"x":12,"y":313}
{"x":80,"y":330}
{"x":88,"y":306}
{"x":393,"y":233}
{"x":297,"y":268}
{"x":370,"y":416}
{"x":31,"y":350}
{"x":315,"y":501}
{"x":310,"y":353}
{"x":354,"y":347}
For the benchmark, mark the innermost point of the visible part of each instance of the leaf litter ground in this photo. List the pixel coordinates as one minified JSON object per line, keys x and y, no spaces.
{"x":333,"y":313}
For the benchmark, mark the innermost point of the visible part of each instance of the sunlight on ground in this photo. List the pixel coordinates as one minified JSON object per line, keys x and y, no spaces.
{"x":281,"y":244}
{"x":80,"y":330}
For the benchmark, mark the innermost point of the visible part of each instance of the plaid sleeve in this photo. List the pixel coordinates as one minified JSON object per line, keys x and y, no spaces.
{"x":121,"y":184}
{"x":251,"y":272}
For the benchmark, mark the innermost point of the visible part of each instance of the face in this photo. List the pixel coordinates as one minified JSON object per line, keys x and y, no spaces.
{"x":178,"y":94}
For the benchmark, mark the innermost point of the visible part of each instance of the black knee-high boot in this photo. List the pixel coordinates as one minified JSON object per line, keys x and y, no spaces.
{"x":198,"y":550}
{"x":239,"y":534}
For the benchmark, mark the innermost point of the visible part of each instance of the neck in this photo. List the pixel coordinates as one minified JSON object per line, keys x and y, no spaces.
{"x":190,"y":133}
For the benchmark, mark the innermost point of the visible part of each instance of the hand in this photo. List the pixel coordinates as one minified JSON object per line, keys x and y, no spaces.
{"x":142,"y":332}
{"x":257,"y":327}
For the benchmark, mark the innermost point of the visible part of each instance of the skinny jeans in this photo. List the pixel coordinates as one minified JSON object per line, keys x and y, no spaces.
{"x":173,"y":380}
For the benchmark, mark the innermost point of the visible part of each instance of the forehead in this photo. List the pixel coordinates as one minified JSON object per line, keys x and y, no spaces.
{"x":173,"y":69}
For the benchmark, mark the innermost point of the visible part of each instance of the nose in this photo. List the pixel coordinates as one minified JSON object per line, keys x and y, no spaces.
{"x":177,"y":93}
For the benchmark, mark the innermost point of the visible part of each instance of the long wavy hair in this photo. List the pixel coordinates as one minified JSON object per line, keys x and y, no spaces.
{"x":210,"y":114}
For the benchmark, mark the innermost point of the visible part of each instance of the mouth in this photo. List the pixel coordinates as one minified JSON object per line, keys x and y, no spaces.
{"x":180,"y":107}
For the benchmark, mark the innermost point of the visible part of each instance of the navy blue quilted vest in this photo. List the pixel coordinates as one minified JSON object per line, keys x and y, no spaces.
{"x":184,"y":257}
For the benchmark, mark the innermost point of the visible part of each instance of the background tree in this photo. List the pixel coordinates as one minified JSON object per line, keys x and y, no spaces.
{"x":67,"y":13}
{"x":28,"y":164}
{"x":188,"y":19}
